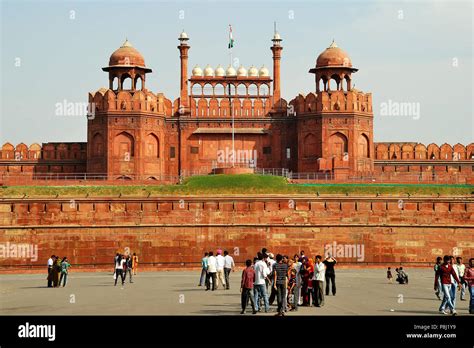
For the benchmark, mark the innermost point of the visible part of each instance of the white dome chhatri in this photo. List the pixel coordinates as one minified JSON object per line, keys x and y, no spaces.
{"x":230,"y":71}
{"x":253,"y":71}
{"x":197,"y":71}
{"x":208,"y":71}
{"x":263,"y":72}
{"x":220,"y":71}
{"x":241,"y":71}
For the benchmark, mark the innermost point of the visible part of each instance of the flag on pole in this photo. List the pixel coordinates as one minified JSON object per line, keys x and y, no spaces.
{"x":231,"y":40}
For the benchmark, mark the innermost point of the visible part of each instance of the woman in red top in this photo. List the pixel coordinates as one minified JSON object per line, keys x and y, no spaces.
{"x":444,"y":272}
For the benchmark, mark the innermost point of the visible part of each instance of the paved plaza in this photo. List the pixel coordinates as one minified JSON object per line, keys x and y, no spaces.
{"x":359,"y":292}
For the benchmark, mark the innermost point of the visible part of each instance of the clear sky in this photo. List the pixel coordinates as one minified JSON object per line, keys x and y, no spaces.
{"x":408,"y":52}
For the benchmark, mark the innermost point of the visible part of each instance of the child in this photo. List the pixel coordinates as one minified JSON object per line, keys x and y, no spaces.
{"x":292,"y":291}
{"x":389,"y":275}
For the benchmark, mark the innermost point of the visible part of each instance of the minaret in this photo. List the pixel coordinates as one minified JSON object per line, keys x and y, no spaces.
{"x":183,"y":55}
{"x":276,"y":49}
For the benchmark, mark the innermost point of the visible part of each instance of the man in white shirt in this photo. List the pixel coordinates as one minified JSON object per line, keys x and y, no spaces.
{"x":211,"y":271}
{"x":459,"y":268}
{"x":318,"y":281}
{"x":259,"y":288}
{"x":228,"y":266}
{"x":220,"y":269}
{"x":50,"y":270}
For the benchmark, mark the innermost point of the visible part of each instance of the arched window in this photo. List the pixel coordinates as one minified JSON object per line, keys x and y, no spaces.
{"x":241,"y":89}
{"x":338,"y":145}
{"x":138,"y":83}
{"x":363,"y":146}
{"x":152,"y":146}
{"x":196,"y":89}
{"x":310,"y":145}
{"x":208,"y":89}
{"x":126,"y":82}
{"x":124,"y":146}
{"x":264,"y":90}
{"x":253,"y":90}
{"x":219,"y":89}
{"x":115,"y":84}
{"x":97,"y":145}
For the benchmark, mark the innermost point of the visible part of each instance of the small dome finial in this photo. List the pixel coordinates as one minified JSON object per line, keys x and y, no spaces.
{"x":126,"y":43}
{"x":333,"y":44}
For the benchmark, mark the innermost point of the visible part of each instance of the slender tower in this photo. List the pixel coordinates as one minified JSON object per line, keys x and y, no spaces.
{"x":276,"y":49}
{"x":183,"y":55}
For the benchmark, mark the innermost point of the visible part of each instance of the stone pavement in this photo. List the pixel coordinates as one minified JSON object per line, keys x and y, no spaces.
{"x":359,"y":292}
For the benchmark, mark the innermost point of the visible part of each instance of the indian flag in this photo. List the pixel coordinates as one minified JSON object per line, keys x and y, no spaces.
{"x":231,"y":40}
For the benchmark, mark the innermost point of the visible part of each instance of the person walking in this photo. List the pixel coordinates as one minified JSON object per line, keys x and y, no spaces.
{"x":246,"y":287}
{"x":280,"y":283}
{"x":220,"y":269}
{"x":319,"y":276}
{"x":203,"y":277}
{"x":445,"y":272}
{"x":212,"y":271}
{"x":330,"y":274}
{"x":135,"y":263}
{"x":437,"y":265}
{"x":119,"y":265}
{"x":460,"y":268}
{"x":455,"y":283}
{"x":389,"y":275}
{"x":469,"y":279}
{"x":50,"y":271}
{"x":228,"y":267}
{"x":297,"y":268}
{"x":56,"y":271}
{"x":64,"y":271}
{"x":311,"y":284}
{"x":260,"y":291}
{"x":128,"y":268}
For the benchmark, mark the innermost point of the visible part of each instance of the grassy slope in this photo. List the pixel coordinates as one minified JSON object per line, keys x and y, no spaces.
{"x":236,"y":184}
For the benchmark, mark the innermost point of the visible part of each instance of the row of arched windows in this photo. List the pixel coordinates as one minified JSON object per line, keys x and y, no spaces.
{"x":124,"y":146}
{"x":221,"y":90}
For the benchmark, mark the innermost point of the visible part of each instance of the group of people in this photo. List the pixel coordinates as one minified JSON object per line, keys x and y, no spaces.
{"x":216,"y":269}
{"x":293,"y":282}
{"x":451,"y":275}
{"x":57,"y":271}
{"x":125,"y":264}
{"x":402,"y":277}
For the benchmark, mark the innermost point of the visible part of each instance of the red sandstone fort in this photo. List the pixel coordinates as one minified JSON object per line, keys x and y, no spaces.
{"x":133,"y":133}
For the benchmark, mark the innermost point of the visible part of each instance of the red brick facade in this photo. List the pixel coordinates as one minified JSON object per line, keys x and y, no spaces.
{"x":134,"y":133}
{"x":175,"y":230}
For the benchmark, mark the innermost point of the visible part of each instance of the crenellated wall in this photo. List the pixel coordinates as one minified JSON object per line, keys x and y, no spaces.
{"x":417,"y":151}
{"x":340,"y":101}
{"x":105,"y":100}
{"x":176,"y":229}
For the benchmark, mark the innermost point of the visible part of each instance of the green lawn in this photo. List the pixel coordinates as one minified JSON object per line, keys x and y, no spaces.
{"x":235,"y":184}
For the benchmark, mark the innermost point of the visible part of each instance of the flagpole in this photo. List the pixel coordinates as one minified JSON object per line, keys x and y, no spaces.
{"x":230,"y":98}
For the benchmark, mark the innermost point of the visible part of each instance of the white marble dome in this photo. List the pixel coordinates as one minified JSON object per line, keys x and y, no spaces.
{"x":208,"y":71}
{"x":253,"y":71}
{"x":263,"y":72}
{"x":241,"y":71}
{"x":220,"y":71}
{"x":230,"y":71}
{"x":197,"y":71}
{"x":183,"y":36}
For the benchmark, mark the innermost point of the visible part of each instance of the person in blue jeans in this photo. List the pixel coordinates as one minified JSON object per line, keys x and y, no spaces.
{"x":446,"y":273}
{"x":203,"y":269}
{"x":469,"y":279}
{"x":64,"y":271}
{"x":259,"y":287}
